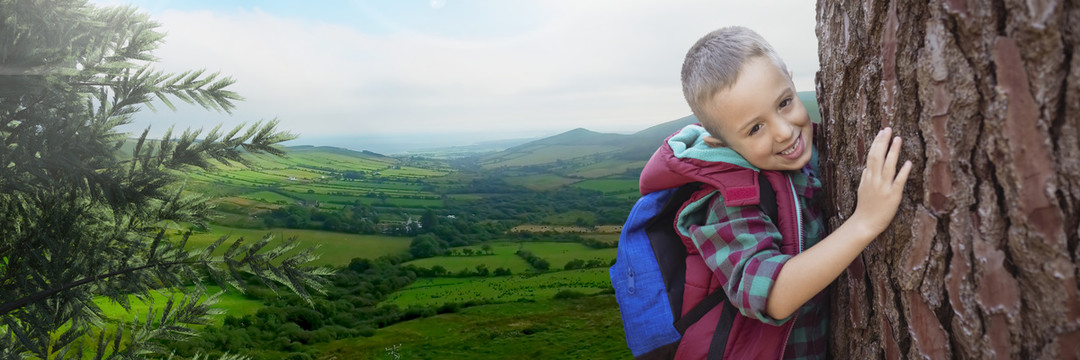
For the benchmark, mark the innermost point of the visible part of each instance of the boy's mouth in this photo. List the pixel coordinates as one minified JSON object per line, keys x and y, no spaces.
{"x":795,"y":151}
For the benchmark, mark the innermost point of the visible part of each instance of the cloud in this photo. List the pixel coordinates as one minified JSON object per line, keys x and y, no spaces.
{"x":602,"y":65}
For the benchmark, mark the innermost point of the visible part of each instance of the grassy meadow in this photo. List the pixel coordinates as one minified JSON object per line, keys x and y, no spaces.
{"x":504,"y":255}
{"x":501,"y":289}
{"x":613,"y":186}
{"x":582,"y":328}
{"x":543,"y":154}
{"x":540,"y":182}
{"x":330,"y":177}
{"x":605,"y":168}
{"x":336,"y":249}
{"x":560,"y":253}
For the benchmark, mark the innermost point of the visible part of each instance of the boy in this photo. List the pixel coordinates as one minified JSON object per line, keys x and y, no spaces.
{"x":751,"y":121}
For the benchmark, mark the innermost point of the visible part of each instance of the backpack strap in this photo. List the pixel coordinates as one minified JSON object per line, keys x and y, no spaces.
{"x":768,"y":198}
{"x":723,"y":329}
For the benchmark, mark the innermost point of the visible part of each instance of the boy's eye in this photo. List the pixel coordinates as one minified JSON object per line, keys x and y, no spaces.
{"x":785,"y":103}
{"x":754,"y":129}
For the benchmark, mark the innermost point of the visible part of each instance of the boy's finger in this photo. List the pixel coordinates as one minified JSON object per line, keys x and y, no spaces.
{"x":902,"y":176}
{"x":891,"y":158}
{"x":874,"y":158}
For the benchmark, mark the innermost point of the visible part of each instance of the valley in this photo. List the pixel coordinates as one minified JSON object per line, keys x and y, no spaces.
{"x":508,"y":248}
{"x":525,"y":235}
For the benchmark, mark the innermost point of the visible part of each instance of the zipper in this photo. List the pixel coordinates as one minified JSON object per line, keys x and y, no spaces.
{"x":787,"y":334}
{"x":798,"y":212}
{"x":799,"y":227}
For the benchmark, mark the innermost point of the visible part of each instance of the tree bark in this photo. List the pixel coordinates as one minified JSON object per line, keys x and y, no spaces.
{"x":981,"y":260}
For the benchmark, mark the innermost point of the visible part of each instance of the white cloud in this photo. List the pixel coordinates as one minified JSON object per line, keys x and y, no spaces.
{"x":602,"y":65}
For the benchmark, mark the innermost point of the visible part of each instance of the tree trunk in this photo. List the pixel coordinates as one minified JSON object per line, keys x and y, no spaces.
{"x":981,"y":260}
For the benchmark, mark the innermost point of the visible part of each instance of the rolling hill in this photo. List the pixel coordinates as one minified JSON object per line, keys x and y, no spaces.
{"x":581,"y":154}
{"x":581,"y":144}
{"x":586,"y":144}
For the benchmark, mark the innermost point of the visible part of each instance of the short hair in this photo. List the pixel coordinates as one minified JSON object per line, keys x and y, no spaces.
{"x":713,"y":64}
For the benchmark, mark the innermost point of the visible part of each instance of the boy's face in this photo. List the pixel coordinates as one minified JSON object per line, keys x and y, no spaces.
{"x":762,"y":119}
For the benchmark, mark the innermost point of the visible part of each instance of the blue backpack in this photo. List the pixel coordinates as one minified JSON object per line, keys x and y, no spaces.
{"x":650,"y":273}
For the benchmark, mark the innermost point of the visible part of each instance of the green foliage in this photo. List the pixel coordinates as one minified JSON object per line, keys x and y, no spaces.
{"x":77,"y":220}
{"x":289,"y":325}
{"x":568,"y":294}
{"x":426,"y":245}
{"x":537,"y":262}
{"x":509,"y":202}
{"x":356,"y":218}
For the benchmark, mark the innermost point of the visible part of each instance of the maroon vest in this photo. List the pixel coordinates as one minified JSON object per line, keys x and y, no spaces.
{"x":749,"y":338}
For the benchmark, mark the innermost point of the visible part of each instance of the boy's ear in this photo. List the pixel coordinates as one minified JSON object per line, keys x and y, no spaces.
{"x":714,"y":141}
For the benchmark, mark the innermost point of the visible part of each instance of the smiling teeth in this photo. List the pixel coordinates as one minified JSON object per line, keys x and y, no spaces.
{"x":790,"y":149}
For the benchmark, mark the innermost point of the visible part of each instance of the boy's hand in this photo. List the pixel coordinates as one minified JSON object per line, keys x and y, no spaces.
{"x":880,"y":191}
{"x":881,"y":187}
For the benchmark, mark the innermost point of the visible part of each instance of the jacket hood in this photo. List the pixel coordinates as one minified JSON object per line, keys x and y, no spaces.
{"x":684,"y":158}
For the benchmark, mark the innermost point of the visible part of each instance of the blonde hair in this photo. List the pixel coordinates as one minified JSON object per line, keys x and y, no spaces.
{"x":713,"y":64}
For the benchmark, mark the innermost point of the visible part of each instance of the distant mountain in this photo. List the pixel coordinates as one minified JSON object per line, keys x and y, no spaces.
{"x":579,"y":144}
{"x":337,"y":150}
{"x":579,"y":136}
{"x":643,"y":143}
{"x":464,"y":151}
{"x":587,"y":148}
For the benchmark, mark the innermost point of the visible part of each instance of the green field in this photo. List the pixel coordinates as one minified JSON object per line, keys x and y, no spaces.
{"x":559,"y":253}
{"x":317,"y":174}
{"x":465,"y":197}
{"x":504,"y":257}
{"x":606,"y":238}
{"x":606,"y":168}
{"x":539,"y":182}
{"x":337,"y":249}
{"x":610,"y":185}
{"x":269,"y":197}
{"x":583,"y":328}
{"x":541,"y":154}
{"x":437,"y":291}
{"x":349,"y":199}
{"x":571,"y":217}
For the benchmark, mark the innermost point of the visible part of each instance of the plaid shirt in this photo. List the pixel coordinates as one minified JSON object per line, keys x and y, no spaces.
{"x":742,"y":247}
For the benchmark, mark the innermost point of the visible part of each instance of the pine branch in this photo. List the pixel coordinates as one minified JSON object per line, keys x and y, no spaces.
{"x":8,"y":307}
{"x":258,"y":263}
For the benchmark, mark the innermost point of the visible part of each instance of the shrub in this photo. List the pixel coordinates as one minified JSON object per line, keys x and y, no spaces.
{"x":568,"y":294}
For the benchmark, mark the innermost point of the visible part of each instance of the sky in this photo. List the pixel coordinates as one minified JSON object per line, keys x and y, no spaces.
{"x":388,"y":76}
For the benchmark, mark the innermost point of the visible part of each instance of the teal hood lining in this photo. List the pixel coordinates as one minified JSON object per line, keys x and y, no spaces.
{"x":690,"y":143}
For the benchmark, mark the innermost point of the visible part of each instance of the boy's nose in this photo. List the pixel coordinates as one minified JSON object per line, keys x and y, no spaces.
{"x":783,"y":131}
